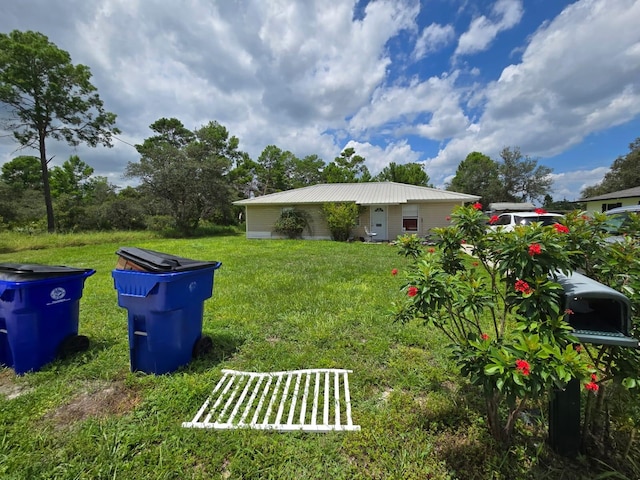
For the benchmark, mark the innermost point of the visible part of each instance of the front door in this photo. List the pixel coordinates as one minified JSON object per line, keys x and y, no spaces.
{"x":379,"y":221}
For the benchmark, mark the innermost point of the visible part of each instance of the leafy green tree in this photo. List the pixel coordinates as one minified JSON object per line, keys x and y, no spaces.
{"x":558,"y":205}
{"x":71,"y":178}
{"x":522,"y":178}
{"x":307,"y":171}
{"x":624,"y":174}
{"x":20,"y":208}
{"x":347,"y":168}
{"x":46,"y":96}
{"x":23,"y":173}
{"x":409,"y":173}
{"x":186,"y":170}
{"x":478,"y":175}
{"x":275,"y":170}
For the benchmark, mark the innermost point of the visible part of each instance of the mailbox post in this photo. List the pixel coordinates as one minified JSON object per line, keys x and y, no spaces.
{"x":599,"y":315}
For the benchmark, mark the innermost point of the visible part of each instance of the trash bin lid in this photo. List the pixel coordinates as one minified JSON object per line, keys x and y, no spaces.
{"x":21,"y":272}
{"x":160,"y":262}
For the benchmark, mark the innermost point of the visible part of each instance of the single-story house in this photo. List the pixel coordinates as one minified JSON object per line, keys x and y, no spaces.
{"x":621,"y":198}
{"x":388,"y":209}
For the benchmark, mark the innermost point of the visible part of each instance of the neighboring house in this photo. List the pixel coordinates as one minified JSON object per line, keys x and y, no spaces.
{"x":500,"y":207}
{"x":621,"y":198}
{"x":388,"y":209}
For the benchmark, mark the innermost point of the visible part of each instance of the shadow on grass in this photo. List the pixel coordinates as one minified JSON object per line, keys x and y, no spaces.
{"x":224,"y":346}
{"x":458,"y":423}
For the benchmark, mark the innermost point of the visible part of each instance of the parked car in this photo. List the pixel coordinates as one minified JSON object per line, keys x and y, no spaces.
{"x":618,"y":219}
{"x":508,"y":221}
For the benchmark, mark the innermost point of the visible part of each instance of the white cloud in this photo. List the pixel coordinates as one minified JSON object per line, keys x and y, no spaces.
{"x":483,"y":30}
{"x":433,"y":38}
{"x":568,"y":185}
{"x":401,"y":109}
{"x":377,"y":158}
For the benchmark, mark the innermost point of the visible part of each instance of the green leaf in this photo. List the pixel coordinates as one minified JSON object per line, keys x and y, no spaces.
{"x":629,"y":382}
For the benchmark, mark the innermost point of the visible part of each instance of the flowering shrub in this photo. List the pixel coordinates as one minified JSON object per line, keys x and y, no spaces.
{"x":501,"y":310}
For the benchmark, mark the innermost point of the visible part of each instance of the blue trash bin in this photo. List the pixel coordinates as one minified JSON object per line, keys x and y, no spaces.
{"x":39,"y":314}
{"x":165,"y":306}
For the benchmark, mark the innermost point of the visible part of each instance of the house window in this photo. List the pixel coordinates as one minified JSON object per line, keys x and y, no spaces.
{"x":410,"y":218}
{"x":609,"y":206}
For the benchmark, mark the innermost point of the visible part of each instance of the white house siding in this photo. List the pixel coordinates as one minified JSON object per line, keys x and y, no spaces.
{"x":608,"y":204}
{"x":430,"y":215}
{"x":433,"y":215}
{"x":260,"y":221}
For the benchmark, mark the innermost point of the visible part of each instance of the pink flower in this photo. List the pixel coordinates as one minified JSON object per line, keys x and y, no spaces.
{"x":477,"y":206}
{"x":447,"y":218}
{"x":484,"y":336}
{"x":523,"y":367}
{"x":493,"y":219}
{"x":534,"y":249}
{"x":540,"y":211}
{"x":394,"y":272}
{"x":578,"y":348}
{"x":561,"y":228}
{"x":412,"y":291}
{"x":523,"y":287}
{"x":568,"y":311}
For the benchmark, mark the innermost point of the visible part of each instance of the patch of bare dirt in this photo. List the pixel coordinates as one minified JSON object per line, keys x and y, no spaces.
{"x":112,"y":399}
{"x":9,"y":388}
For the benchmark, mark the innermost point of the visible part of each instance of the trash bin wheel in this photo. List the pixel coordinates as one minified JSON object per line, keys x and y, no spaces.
{"x":73,"y":344}
{"x":202,"y":347}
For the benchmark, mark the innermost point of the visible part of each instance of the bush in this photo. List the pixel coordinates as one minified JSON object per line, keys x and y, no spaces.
{"x":341,"y":218}
{"x":292,"y":223}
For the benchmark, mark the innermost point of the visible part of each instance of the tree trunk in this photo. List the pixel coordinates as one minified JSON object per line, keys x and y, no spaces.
{"x":51,"y":226}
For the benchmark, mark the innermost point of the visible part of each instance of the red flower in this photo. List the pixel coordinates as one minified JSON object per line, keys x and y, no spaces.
{"x":534,"y":249}
{"x":475,"y":264}
{"x":394,"y":272}
{"x":568,"y":311}
{"x":484,"y":336}
{"x":412,"y":291}
{"x":523,"y":367}
{"x":594,"y":377}
{"x":593,"y":386}
{"x":561,"y":228}
{"x":447,"y":218}
{"x":540,"y":211}
{"x":477,"y":206}
{"x":432,"y":250}
{"x":578,"y":348}
{"x":522,"y":286}
{"x":493,"y":219}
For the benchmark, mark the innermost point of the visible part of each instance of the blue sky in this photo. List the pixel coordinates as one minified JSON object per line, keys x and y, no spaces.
{"x":398,"y":80}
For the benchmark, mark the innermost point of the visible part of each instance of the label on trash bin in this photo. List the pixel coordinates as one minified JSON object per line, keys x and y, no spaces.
{"x":58,"y":295}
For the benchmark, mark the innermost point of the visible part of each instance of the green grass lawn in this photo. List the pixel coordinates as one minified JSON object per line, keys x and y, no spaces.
{"x":276,"y":305}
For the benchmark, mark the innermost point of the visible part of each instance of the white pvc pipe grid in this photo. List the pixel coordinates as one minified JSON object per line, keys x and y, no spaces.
{"x":232,"y":403}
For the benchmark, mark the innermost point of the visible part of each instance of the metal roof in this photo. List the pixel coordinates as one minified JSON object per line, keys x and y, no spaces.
{"x":511,"y":206}
{"x":368,"y":193}
{"x":629,"y":192}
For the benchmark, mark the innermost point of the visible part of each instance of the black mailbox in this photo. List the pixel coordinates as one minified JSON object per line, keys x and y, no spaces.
{"x":599,"y":314}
